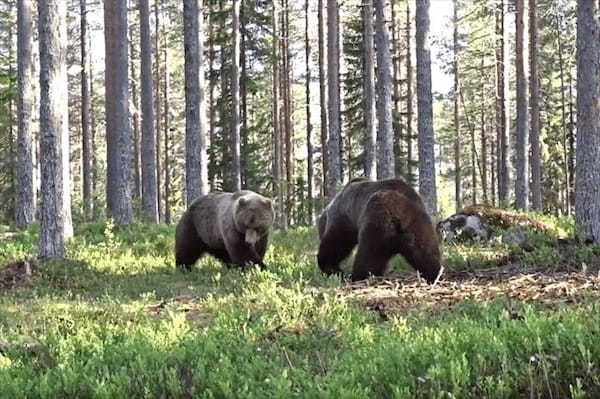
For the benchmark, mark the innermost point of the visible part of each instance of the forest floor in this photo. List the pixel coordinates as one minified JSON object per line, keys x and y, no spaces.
{"x":119,"y":320}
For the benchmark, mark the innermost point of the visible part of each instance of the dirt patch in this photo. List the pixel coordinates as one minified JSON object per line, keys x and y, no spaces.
{"x":400,"y":293}
{"x":187,"y":304}
{"x":17,"y":273}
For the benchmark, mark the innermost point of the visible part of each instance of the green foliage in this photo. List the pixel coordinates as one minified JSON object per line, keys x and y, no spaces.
{"x":118,"y":320}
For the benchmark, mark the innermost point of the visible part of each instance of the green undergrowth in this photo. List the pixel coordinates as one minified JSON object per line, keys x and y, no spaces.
{"x":119,"y":320}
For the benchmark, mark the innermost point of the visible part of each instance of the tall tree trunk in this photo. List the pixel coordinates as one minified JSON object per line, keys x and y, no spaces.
{"x":587,"y":178}
{"x":457,"y":166}
{"x":334,"y":175}
{"x":309,"y":126}
{"x":135,"y":121}
{"x":396,"y":114}
{"x":88,"y":200}
{"x":409,"y":100}
{"x":369,"y":96}
{"x":158,"y":105}
{"x":385,"y":134}
{"x":55,"y":214}
{"x":211,"y":97}
{"x":235,"y":96}
{"x":196,"y":175}
{"x":287,"y":110}
{"x":166,"y":120}
{"x":25,"y":200}
{"x":277,"y":189}
{"x":522,"y":180}
{"x":148,"y":147}
{"x":571,"y":142}
{"x":427,"y":186}
{"x":561,"y":65}
{"x":534,"y":92}
{"x":483,"y":155}
{"x":323,"y":98}
{"x":118,"y":133}
{"x":502,"y":125}
{"x":244,"y":134}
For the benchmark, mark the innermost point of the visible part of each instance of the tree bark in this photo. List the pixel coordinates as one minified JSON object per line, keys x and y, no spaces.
{"x":534,"y":93}
{"x":502,"y":125}
{"x":167,"y":121}
{"x":369,"y":88}
{"x":427,"y":186}
{"x":409,"y":100}
{"x":25,"y":200}
{"x":235,"y":96}
{"x":457,"y":165}
{"x":323,"y":98}
{"x":309,"y":126}
{"x":134,"y":113}
{"x":522,"y":179}
{"x":333,"y":71}
{"x":158,"y":105}
{"x":277,"y":189}
{"x":55,"y":213}
{"x":385,"y":134}
{"x":118,"y":131}
{"x":196,"y":175}
{"x":587,"y":177}
{"x":88,"y":200}
{"x":148,"y":146}
{"x":561,"y":65}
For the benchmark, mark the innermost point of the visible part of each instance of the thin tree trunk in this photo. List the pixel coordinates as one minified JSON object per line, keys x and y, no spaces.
{"x":166,"y":122}
{"x":561,"y":63}
{"x":396,"y":115}
{"x":196,"y":175}
{"x":88,"y":200}
{"x":427,"y":186}
{"x":158,"y":105}
{"x":211,"y":96}
{"x":587,"y":178}
{"x":55,"y":216}
{"x":309,"y":126}
{"x":385,"y":134}
{"x":571,"y":143}
{"x":148,"y":150}
{"x":135,"y":116}
{"x":409,"y":100}
{"x":534,"y":92}
{"x":25,"y":200}
{"x":276,"y":123}
{"x":323,"y":98}
{"x":235,"y":96}
{"x":502,"y":126}
{"x":244,"y":136}
{"x":333,"y":77}
{"x":289,"y":149}
{"x":369,"y":89}
{"x":483,"y":157}
{"x":457,"y":166}
{"x":522,"y":180}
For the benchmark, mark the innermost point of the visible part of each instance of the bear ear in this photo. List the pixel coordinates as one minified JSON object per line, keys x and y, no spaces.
{"x":242,"y":201}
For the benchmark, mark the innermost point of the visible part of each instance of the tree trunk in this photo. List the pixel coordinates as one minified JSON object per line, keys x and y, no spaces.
{"x":522,"y":180}
{"x":502,"y":125}
{"x":587,"y":177}
{"x":385,"y":134}
{"x":409,"y":100}
{"x":561,"y":65}
{"x":211,"y":98}
{"x":427,"y":186}
{"x":309,"y":126}
{"x":25,"y":200}
{"x":166,"y":121}
{"x":277,"y":189}
{"x":287,"y":112}
{"x":323,"y":98}
{"x":195,"y":127}
{"x":333,"y":77}
{"x":55,"y":215}
{"x":534,"y":93}
{"x":148,"y":150}
{"x":369,"y":89}
{"x":135,"y":121}
{"x":396,"y":114}
{"x":158,"y":106}
{"x":457,"y":166}
{"x":88,"y":200}
{"x":118,"y":133}
{"x":235,"y":96}
{"x":483,"y":155}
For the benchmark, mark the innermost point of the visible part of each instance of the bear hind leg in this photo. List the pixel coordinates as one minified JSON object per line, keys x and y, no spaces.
{"x":188,"y":246}
{"x":333,"y":249}
{"x":368,"y":261}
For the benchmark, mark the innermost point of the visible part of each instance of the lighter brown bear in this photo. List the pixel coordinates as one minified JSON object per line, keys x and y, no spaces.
{"x":232,"y":227}
{"x":384,"y":218}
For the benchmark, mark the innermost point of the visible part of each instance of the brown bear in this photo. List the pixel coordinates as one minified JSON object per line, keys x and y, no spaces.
{"x":384,"y":218}
{"x":232,"y":227}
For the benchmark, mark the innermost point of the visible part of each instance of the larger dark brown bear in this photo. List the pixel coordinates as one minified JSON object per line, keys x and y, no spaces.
{"x":232,"y":227}
{"x":384,"y":218}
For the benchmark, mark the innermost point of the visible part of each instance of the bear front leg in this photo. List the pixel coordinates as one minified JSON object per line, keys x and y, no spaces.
{"x":335,"y":246}
{"x":242,"y":253}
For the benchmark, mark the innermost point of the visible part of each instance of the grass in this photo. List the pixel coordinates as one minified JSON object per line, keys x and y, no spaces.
{"x":118,"y":320}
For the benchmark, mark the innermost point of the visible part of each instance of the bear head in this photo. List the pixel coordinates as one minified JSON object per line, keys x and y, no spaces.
{"x":254,"y":216}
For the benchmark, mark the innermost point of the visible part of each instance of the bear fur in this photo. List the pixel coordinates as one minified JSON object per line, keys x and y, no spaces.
{"x":232,"y":227}
{"x":384,"y":218}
